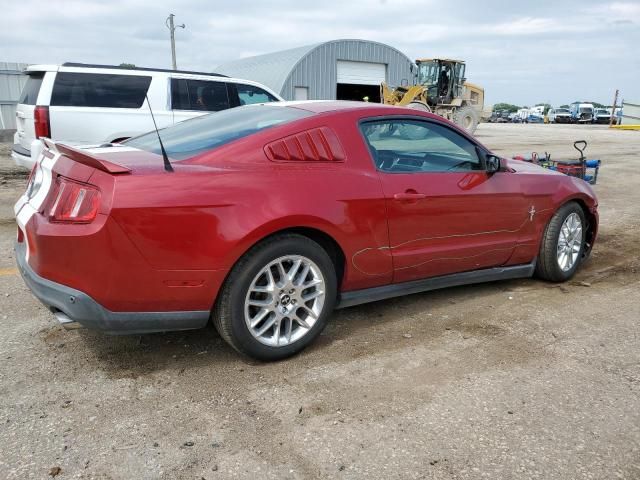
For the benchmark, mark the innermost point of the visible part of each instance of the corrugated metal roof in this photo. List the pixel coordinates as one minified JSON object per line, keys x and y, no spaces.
{"x":314,"y":67}
{"x":271,"y":69}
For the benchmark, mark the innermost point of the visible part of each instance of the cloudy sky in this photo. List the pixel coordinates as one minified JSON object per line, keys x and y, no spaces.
{"x":521,"y":52}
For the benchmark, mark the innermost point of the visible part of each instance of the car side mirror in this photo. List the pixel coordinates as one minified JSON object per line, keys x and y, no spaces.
{"x":492,"y":163}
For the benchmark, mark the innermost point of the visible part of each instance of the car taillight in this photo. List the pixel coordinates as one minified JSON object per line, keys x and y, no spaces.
{"x":73,"y":202}
{"x":41,"y":122}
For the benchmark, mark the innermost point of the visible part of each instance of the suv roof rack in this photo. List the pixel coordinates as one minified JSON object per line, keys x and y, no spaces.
{"x":144,"y":69}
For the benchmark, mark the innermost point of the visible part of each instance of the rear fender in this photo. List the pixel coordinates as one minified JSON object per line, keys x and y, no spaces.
{"x":283,"y":224}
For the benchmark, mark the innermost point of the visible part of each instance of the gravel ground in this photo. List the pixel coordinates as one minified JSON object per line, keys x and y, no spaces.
{"x":510,"y":380}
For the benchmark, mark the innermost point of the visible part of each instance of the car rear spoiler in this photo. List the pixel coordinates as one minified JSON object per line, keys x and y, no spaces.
{"x":85,"y":158}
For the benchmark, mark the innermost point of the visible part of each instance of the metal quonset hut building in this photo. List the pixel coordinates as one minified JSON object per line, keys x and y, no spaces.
{"x":340,"y":69}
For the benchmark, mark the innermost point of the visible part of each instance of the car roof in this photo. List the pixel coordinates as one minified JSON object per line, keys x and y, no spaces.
{"x":54,"y":68}
{"x":365,"y":109}
{"x":144,"y":69}
{"x":86,"y":68}
{"x":325,"y":106}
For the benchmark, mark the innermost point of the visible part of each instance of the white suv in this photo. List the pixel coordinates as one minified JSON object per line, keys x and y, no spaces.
{"x":88,"y":104}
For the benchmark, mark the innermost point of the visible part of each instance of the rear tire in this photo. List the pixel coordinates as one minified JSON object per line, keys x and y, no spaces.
{"x":467,"y":118}
{"x":277,"y":298}
{"x":563,"y":243}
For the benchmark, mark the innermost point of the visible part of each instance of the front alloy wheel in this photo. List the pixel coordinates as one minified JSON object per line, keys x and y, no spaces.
{"x":563,"y":244}
{"x":569,"y":242}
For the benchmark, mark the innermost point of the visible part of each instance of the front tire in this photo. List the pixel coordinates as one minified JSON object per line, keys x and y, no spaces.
{"x":563,"y":244}
{"x":277,"y":298}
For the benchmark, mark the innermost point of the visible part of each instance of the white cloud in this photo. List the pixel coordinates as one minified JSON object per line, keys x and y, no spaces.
{"x":520,"y":52}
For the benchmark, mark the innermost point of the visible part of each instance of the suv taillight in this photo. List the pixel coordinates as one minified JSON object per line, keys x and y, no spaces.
{"x":73,"y":202}
{"x":41,"y":122}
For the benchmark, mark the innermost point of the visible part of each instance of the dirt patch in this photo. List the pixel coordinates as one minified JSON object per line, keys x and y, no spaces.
{"x":516,"y":379}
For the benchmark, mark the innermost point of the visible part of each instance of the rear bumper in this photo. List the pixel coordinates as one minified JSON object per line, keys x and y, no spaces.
{"x":22,"y":157}
{"x":73,"y":306}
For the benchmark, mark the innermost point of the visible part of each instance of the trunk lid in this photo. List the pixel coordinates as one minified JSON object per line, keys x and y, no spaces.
{"x":111,"y":158}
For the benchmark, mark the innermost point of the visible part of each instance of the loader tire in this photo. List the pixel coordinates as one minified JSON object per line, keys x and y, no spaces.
{"x":419,"y":106}
{"x":467,"y":118}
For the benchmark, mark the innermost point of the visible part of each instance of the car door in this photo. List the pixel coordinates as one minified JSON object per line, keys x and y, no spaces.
{"x":445,"y":213}
{"x":191,"y":98}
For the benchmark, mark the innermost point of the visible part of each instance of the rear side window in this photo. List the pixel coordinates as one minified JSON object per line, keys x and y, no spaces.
{"x":31,"y":89}
{"x":199,"y":95}
{"x":206,"y":132}
{"x":248,"y":94}
{"x":99,"y":90}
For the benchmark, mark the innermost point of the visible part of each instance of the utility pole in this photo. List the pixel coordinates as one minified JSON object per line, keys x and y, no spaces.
{"x":613,"y":109}
{"x":172,"y":29}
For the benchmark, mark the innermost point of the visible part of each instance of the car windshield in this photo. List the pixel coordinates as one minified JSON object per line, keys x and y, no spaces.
{"x":562,"y":110}
{"x":197,"y":135}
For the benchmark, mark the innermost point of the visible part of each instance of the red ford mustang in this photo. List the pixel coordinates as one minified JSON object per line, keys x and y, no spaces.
{"x":265,"y":218}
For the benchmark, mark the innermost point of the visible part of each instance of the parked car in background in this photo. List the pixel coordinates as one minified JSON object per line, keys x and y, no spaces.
{"x":515,"y":118}
{"x":559,"y":115}
{"x":264,"y":218}
{"x":494,"y":117}
{"x":522,"y":114}
{"x":581,"y":112}
{"x":500,"y":116}
{"x":602,"y":116}
{"x":93,"y":104}
{"x":534,"y":118}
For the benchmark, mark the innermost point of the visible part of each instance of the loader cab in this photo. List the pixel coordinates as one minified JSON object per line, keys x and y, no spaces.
{"x":443,"y":78}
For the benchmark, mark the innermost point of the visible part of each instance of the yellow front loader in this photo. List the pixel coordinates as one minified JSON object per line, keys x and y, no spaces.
{"x":440,"y":87}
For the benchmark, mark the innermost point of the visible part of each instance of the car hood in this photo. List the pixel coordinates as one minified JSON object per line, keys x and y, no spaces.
{"x":520,"y":166}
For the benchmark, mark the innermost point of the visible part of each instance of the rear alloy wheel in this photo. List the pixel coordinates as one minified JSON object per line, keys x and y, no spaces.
{"x":277,"y":298}
{"x":284,"y":300}
{"x":562,"y":246}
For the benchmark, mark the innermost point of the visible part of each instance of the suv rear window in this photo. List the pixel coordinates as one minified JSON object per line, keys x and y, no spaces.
{"x":199,"y":95}
{"x":249,"y":94}
{"x":197,"y":135}
{"x":30,"y":91}
{"x":99,"y":90}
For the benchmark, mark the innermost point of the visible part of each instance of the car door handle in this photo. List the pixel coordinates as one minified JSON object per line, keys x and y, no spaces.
{"x":409,"y":195}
